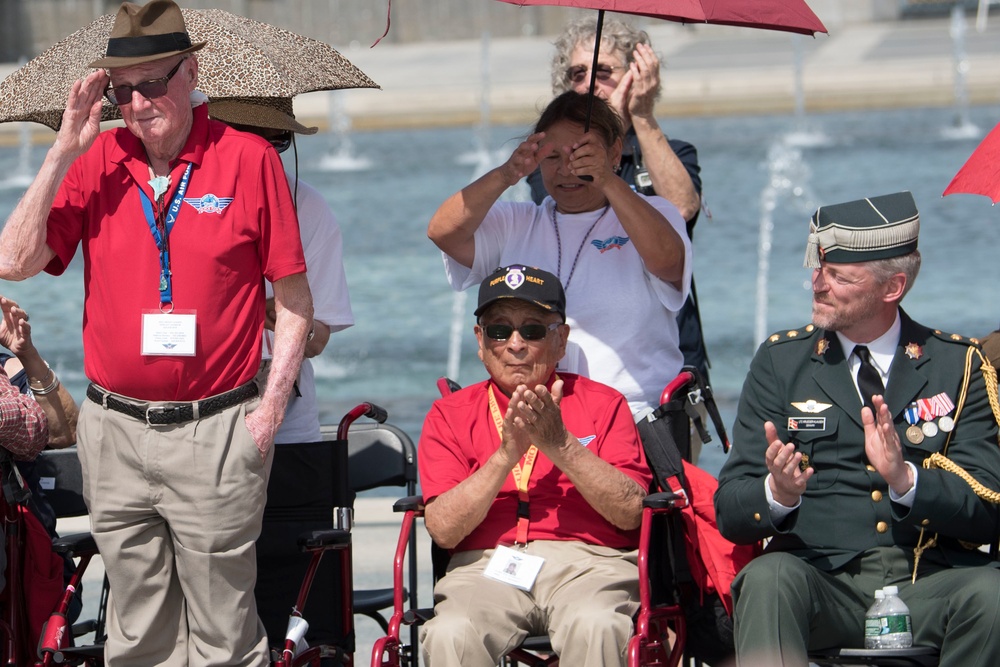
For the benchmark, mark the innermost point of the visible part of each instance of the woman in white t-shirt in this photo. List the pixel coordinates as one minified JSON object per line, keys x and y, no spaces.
{"x":624,"y":259}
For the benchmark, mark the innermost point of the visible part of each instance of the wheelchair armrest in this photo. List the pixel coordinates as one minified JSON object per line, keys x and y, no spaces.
{"x":77,"y":544}
{"x":665,"y":500}
{"x":409,"y":504}
{"x":420,"y":616}
{"x":321,"y":539}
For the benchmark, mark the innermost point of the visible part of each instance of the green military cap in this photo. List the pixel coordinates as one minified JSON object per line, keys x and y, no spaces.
{"x":863,"y":230}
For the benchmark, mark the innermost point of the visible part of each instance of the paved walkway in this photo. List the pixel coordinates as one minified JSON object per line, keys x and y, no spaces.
{"x":710,"y":70}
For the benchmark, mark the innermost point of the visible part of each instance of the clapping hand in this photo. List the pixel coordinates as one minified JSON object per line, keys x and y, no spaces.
{"x":535,"y":414}
{"x":15,"y":332}
{"x":788,"y":479}
{"x":882,"y":447}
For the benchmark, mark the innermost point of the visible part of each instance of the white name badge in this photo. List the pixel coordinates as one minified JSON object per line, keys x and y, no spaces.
{"x":513,"y":567}
{"x":169,"y":334}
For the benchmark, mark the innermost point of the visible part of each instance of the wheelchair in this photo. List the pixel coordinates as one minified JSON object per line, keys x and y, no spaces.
{"x":36,"y":614}
{"x":660,"y":631}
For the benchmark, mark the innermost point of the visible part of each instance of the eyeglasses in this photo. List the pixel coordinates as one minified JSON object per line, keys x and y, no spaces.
{"x":282,"y":141}
{"x":532,"y":332}
{"x":578,"y":73}
{"x":122,"y":95}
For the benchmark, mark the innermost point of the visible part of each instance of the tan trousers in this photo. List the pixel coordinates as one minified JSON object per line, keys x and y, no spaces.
{"x":584,"y":599}
{"x":175,"y":511}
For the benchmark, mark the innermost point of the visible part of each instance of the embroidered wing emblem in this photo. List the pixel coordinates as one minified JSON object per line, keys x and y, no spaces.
{"x":611,"y":243}
{"x":209,"y":203}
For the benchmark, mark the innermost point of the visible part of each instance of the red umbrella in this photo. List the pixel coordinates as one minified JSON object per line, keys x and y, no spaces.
{"x":787,"y":15}
{"x":980,"y":175}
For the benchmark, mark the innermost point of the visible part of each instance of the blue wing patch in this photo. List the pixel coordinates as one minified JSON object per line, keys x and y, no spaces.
{"x":610,"y":244}
{"x":209,"y":203}
{"x":586,"y":440}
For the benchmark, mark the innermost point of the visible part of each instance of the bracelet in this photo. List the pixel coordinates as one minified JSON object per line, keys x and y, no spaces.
{"x":51,"y":387}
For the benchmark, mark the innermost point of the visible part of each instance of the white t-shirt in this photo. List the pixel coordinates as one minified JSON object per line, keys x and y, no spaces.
{"x":623,"y":328}
{"x":323,"y":245}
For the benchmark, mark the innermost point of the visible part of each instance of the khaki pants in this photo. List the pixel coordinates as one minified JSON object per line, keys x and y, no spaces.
{"x":584,"y":599}
{"x":175,"y":511}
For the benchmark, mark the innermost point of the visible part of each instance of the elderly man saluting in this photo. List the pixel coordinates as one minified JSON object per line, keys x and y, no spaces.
{"x":180,"y":219}
{"x":535,"y":481}
{"x":835,"y":422}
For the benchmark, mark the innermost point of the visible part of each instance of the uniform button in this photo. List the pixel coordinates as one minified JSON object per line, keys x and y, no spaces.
{"x":756,"y":517}
{"x":925,"y":522}
{"x":876,"y":495}
{"x":881,"y":526}
{"x":870,"y":467}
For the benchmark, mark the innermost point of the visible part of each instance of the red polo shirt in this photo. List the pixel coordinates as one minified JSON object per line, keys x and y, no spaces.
{"x":459,"y":435}
{"x":236,"y":226}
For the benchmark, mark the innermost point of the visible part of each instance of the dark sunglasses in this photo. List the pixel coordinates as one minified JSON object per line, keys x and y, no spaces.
{"x":579,"y":73}
{"x":122,"y":95}
{"x":532,"y":332}
{"x":282,"y":141}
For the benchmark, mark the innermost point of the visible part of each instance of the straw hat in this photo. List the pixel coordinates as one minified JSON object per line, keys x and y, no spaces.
{"x":142,"y":34}
{"x":273,"y":113}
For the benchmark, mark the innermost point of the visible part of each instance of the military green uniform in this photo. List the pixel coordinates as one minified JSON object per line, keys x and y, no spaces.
{"x":846,"y":539}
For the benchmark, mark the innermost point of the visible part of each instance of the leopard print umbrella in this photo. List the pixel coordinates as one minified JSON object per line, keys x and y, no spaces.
{"x":242,"y":58}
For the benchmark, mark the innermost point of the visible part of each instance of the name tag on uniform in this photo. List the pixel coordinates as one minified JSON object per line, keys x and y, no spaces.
{"x":513,"y":567}
{"x":169,"y":334}
{"x":807,"y":423}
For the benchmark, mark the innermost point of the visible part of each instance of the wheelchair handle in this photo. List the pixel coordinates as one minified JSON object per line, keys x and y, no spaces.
{"x":370,"y":410}
{"x":683,"y":379}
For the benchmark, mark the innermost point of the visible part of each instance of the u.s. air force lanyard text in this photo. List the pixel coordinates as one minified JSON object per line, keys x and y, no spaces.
{"x":164,"y":331}
{"x":509,"y":565}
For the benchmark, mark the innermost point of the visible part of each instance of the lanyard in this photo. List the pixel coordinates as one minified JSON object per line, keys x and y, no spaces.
{"x":160,"y":226}
{"x":521,"y":475}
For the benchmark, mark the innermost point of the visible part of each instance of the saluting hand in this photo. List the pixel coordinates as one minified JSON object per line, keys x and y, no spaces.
{"x":788,"y":480}
{"x":81,"y":121}
{"x":524,"y":159}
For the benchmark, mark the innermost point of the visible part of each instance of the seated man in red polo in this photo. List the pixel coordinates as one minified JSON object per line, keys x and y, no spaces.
{"x":534,"y":482}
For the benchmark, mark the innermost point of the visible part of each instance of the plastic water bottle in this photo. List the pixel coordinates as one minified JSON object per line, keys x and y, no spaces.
{"x":897,"y":628}
{"x":873,"y":622}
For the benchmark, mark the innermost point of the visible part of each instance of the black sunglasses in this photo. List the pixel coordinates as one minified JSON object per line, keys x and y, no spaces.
{"x":531,"y":332}
{"x":122,"y":95}
{"x":282,"y":141}
{"x":578,"y":73}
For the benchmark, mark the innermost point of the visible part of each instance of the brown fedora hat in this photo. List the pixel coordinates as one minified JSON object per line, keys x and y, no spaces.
{"x":142,"y":34}
{"x":273,"y":113}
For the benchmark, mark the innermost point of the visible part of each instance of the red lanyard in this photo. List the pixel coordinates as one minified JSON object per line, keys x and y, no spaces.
{"x":521,"y":473}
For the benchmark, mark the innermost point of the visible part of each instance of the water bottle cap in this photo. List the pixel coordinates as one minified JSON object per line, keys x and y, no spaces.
{"x":891,"y":590}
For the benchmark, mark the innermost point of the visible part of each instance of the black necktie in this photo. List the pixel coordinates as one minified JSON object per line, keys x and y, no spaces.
{"x":869,"y":380}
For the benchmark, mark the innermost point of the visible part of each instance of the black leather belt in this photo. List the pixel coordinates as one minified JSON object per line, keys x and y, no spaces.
{"x":173,"y":413}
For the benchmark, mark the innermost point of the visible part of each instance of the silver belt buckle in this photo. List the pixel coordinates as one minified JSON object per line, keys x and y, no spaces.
{"x":154,"y":409}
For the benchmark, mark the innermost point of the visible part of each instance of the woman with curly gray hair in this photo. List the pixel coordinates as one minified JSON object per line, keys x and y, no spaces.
{"x":628,"y":78}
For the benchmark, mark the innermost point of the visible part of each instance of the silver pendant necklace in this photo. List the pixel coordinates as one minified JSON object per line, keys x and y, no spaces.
{"x":572,"y":268}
